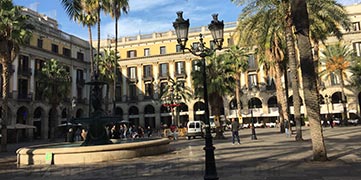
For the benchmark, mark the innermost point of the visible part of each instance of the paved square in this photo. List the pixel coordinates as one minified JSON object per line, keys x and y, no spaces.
{"x":271,"y":157}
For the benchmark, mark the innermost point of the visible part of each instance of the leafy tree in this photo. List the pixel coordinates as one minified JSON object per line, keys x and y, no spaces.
{"x":115,"y":8}
{"x":337,"y":60}
{"x":174,"y":93}
{"x":356,"y":73}
{"x":106,"y":64}
{"x":220,"y":82}
{"x":239,"y":57}
{"x":255,"y":29}
{"x":56,"y":83}
{"x":83,"y":12}
{"x":14,"y":31}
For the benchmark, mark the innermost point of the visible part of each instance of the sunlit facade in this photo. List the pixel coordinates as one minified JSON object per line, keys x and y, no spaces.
{"x":147,"y":61}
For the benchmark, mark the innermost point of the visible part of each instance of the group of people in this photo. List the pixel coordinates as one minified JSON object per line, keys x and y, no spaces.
{"x":75,"y":134}
{"x":131,"y":131}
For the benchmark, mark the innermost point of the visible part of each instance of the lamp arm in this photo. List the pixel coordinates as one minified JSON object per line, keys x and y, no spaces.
{"x":204,"y":53}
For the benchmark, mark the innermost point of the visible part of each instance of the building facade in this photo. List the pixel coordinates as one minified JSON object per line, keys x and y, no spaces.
{"x":147,"y":61}
{"x":26,"y":106}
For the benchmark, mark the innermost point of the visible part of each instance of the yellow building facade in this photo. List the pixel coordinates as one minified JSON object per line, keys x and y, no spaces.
{"x":147,"y":61}
{"x":26,"y":105}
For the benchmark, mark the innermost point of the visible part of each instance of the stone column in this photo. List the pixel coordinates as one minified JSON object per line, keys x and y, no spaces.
{"x":157,"y":117}
{"x":45,"y":126}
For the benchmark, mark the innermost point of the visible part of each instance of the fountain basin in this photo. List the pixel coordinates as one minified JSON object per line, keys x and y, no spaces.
{"x":66,"y":153}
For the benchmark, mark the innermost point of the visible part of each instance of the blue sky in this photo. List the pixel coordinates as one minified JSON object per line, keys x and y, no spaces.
{"x":145,"y":16}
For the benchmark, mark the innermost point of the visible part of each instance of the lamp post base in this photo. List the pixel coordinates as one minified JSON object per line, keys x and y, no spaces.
{"x":253,"y":137}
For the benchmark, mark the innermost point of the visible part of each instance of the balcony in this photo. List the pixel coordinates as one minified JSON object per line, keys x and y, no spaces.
{"x":180,"y":75}
{"x":24,"y":71}
{"x":148,"y":78}
{"x":132,"y":99}
{"x":25,"y":97}
{"x":80,"y":82}
{"x":81,"y":100}
{"x":163,"y":76}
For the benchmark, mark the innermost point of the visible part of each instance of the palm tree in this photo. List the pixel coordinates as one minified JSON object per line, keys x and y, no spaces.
{"x":115,"y":9}
{"x":14,"y":31}
{"x":173,"y":94}
{"x":326,"y":19}
{"x":220,"y":82}
{"x":83,"y":11}
{"x":238,"y":56}
{"x":300,"y":20}
{"x":256,"y":29}
{"x":56,"y":83}
{"x":106,"y":64}
{"x":356,"y":73}
{"x":337,"y":61}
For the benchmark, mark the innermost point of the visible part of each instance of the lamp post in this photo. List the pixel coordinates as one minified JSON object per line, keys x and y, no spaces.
{"x":216,"y":27}
{"x":253,"y":129}
{"x":328,"y":110}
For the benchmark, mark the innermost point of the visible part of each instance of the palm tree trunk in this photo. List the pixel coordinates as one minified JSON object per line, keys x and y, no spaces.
{"x":343,"y":99}
{"x":293,"y":64}
{"x":5,"y":94}
{"x":238,"y":97}
{"x":116,"y":62}
{"x":301,"y":22}
{"x":216,"y":102}
{"x":91,"y":52}
{"x":281,"y":97}
{"x":316,"y":59}
{"x":98,"y":48}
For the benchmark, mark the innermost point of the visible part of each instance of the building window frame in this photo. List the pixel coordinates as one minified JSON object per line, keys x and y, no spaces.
{"x":162,"y":50}
{"x":54,"y":48}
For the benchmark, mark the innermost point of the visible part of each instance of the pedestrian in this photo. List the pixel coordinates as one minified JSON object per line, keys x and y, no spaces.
{"x":149,"y":131}
{"x":287,"y":128}
{"x":234,"y":128}
{"x":78,"y":134}
{"x":70,"y":135}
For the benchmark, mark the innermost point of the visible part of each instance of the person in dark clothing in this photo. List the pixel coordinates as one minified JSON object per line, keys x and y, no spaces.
{"x":149,"y":131}
{"x":234,"y":128}
{"x":70,"y":135}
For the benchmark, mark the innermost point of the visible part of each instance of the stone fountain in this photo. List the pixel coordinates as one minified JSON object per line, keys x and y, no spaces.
{"x":97,"y":146}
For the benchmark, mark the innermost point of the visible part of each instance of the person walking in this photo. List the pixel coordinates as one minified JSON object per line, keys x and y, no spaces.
{"x":287,"y":128}
{"x":234,"y":128}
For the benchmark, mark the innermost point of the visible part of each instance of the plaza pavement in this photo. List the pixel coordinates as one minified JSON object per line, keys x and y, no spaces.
{"x":271,"y":157}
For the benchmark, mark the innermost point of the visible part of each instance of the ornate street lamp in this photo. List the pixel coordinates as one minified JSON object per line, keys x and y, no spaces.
{"x":216,"y":27}
{"x":328,"y":110}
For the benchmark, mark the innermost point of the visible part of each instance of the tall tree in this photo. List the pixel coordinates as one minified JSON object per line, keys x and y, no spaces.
{"x":116,"y":8}
{"x":106,"y":64}
{"x":293,"y":65}
{"x":326,"y":18}
{"x":337,"y":60}
{"x":239,"y":57}
{"x":14,"y":31}
{"x":220,"y":82}
{"x":173,"y":94}
{"x":256,"y":29}
{"x":83,"y":11}
{"x":300,"y":19}
{"x":56,"y":83}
